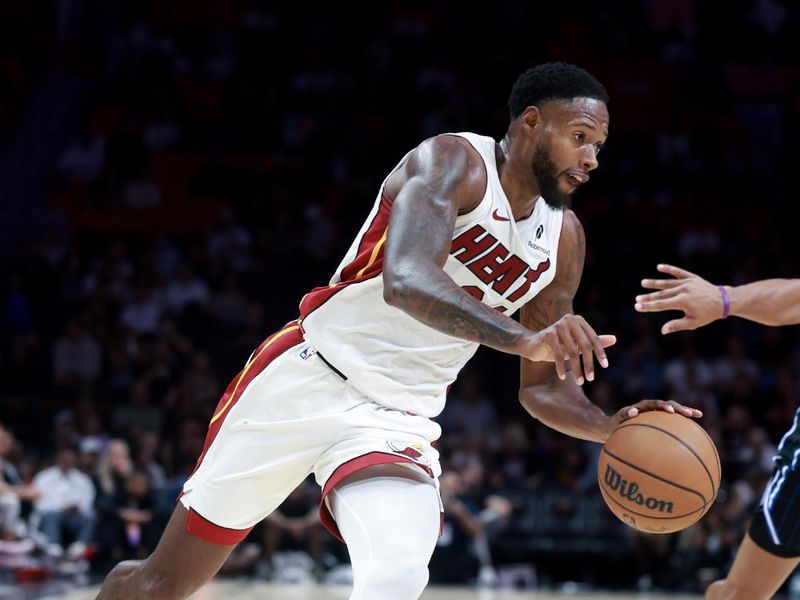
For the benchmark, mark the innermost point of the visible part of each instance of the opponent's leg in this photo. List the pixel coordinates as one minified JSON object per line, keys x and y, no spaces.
{"x":755,"y":575}
{"x":389,"y":516}
{"x":179,"y":565}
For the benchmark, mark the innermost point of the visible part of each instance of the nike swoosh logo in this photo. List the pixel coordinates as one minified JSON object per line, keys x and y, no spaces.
{"x":497,"y":217}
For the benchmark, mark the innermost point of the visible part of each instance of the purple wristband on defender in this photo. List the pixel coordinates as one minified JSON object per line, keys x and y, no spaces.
{"x":726,"y":302}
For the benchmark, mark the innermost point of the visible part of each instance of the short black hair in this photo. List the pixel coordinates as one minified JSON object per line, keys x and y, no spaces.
{"x":553,"y":81}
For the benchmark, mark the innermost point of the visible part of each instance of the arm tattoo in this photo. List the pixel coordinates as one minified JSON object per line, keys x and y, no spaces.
{"x":421,"y":229}
{"x":447,"y":308}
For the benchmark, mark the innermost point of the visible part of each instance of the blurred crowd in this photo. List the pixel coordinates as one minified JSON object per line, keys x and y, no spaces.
{"x":215,"y":161}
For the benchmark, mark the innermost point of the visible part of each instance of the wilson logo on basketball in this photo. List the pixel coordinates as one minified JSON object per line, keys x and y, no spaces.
{"x":630,"y":491}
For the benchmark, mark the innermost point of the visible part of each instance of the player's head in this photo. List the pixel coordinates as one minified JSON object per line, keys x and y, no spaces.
{"x":562,"y":114}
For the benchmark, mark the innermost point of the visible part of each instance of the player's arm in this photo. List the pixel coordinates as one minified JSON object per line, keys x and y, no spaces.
{"x":561,"y":404}
{"x":441,"y":177}
{"x":769,"y":301}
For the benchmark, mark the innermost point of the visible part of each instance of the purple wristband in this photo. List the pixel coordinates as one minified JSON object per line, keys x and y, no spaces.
{"x":726,"y":302}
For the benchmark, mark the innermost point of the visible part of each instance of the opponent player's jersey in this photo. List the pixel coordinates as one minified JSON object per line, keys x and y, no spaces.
{"x":397,"y":360}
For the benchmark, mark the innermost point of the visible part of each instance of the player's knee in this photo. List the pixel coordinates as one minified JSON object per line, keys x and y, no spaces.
{"x":161,"y":586}
{"x":397,"y":581}
{"x":119,"y":580}
{"x":148,"y":581}
{"x":724,"y":590}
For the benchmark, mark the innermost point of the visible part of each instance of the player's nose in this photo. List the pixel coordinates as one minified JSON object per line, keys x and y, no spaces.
{"x":589,"y":160}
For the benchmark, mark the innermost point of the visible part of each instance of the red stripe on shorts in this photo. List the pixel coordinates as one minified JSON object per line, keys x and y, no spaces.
{"x":204,"y":529}
{"x":269,"y":350}
{"x":347,"y":469}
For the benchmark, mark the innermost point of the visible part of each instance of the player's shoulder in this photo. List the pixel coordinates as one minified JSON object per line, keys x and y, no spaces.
{"x":571,"y":229}
{"x":450,"y":151}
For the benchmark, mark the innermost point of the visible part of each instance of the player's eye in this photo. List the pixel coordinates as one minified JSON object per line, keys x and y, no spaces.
{"x":579,"y":137}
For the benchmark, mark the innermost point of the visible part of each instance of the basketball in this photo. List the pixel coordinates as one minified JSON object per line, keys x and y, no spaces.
{"x":659,"y":472}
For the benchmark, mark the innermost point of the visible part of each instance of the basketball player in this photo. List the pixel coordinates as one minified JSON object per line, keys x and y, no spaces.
{"x":770,"y":550}
{"x":465,"y":231}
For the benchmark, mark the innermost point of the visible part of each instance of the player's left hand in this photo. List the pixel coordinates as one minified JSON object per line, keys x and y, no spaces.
{"x":699,"y":300}
{"x":669,"y":406}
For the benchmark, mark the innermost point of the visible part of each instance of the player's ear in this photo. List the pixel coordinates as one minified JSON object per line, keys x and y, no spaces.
{"x":531,"y":117}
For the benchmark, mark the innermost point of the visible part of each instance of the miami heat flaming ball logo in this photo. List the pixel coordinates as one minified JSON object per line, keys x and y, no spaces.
{"x":413,"y":451}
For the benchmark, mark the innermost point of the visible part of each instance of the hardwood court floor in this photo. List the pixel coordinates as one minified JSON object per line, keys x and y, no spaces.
{"x":232,"y":590}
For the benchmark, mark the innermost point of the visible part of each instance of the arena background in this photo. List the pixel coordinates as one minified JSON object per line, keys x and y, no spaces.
{"x":175,"y":175}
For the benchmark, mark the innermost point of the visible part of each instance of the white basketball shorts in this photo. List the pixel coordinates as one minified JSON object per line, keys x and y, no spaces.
{"x":288,"y":414}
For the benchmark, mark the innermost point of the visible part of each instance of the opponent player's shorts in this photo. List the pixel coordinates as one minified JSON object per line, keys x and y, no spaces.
{"x":287,"y":414}
{"x":776,"y":524}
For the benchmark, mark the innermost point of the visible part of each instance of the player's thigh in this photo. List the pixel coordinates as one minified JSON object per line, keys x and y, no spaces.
{"x":264,"y":443}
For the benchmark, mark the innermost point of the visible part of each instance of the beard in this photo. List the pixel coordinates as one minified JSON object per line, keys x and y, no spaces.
{"x":546,"y":175}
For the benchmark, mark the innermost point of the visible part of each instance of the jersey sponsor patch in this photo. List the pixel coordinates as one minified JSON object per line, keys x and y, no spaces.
{"x":413,"y":451}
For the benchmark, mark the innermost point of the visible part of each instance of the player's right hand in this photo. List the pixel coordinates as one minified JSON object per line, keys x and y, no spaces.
{"x":569,"y":342}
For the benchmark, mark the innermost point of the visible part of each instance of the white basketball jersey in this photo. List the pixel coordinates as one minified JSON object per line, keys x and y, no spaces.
{"x":388,"y":355}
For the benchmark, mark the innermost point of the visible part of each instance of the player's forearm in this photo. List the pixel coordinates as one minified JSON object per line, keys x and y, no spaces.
{"x":565,"y":408}
{"x":430,"y":296}
{"x":770,"y":301}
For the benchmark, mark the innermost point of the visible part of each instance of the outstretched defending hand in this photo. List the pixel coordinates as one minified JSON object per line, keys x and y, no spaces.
{"x":699,"y":300}
{"x":669,"y":406}
{"x":566,"y":342}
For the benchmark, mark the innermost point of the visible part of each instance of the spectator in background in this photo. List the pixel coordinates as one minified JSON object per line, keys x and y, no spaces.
{"x":13,"y":492}
{"x":77,"y":357}
{"x":146,"y":460}
{"x":114,"y":467}
{"x":454,"y":559}
{"x":142,"y":312}
{"x":468,"y":409}
{"x":294,"y":525}
{"x":513,"y":463}
{"x":133,"y":524}
{"x":65,"y":432}
{"x":138,"y":413}
{"x":65,"y":504}
{"x":229,"y":304}
{"x":231,"y":245}
{"x":185,"y":289}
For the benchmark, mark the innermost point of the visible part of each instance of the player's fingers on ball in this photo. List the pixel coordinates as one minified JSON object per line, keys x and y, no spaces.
{"x":666,"y":406}
{"x":649,"y":404}
{"x":686,"y":411}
